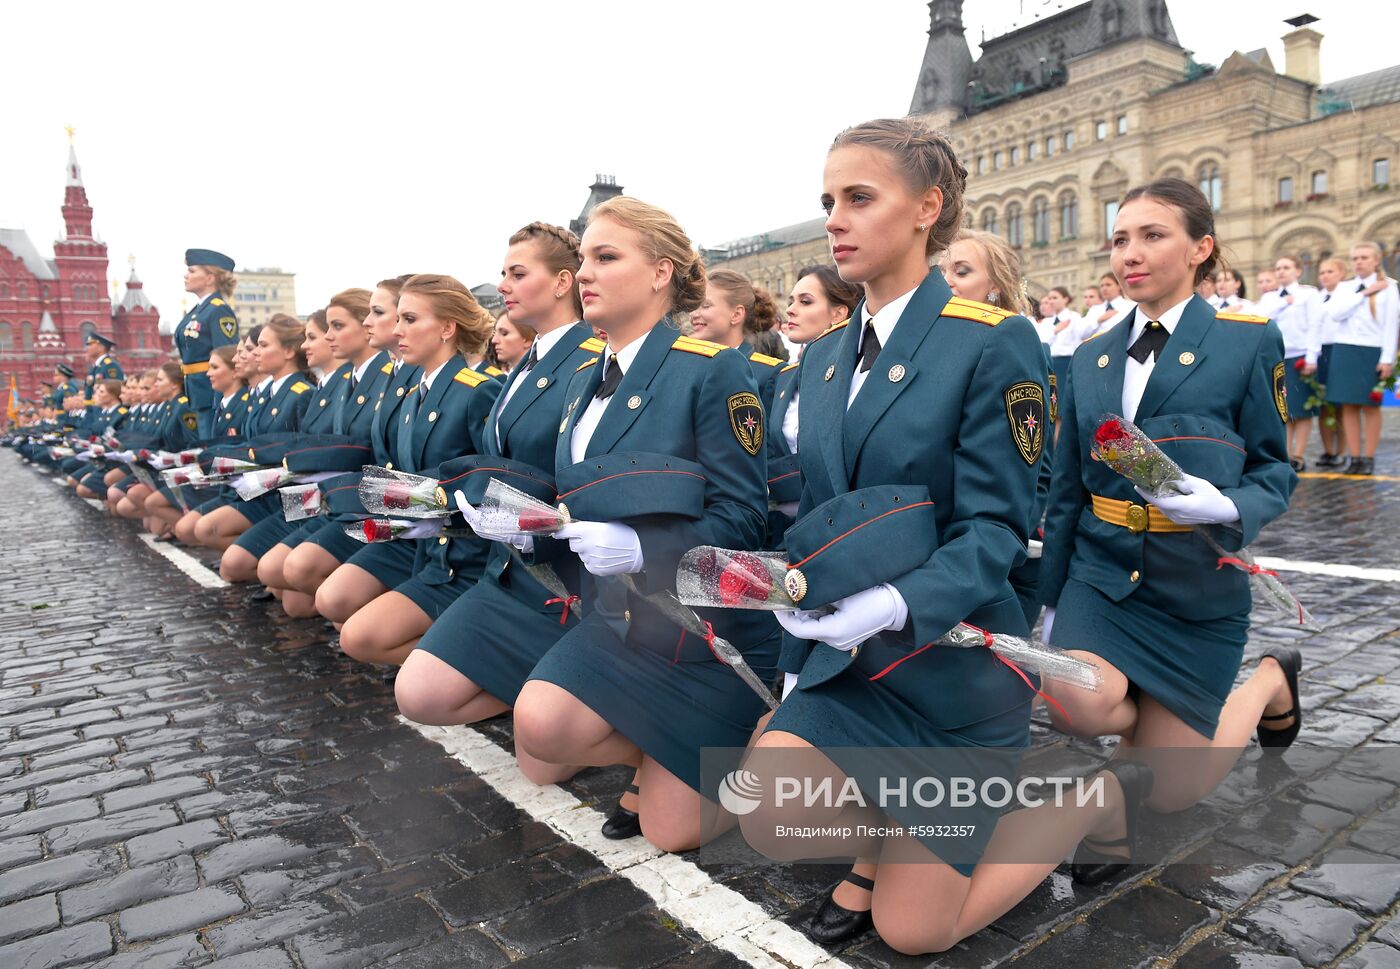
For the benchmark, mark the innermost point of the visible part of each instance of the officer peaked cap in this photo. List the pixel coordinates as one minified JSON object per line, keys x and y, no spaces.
{"x":208,"y":257}
{"x":64,"y":369}
{"x":106,"y":341}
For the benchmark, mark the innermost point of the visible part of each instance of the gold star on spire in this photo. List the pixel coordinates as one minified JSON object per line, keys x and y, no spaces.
{"x":71,"y":131}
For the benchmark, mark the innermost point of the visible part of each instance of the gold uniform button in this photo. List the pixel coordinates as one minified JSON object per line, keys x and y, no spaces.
{"x":274,"y":412}
{"x":323,"y":402}
{"x":442,"y":540}
{"x":627,"y":615}
{"x":388,"y":465}
{"x":360,"y":399}
{"x":1134,"y":576}
{"x":399,"y":392}
{"x":432,"y":416}
{"x":1103,"y":361}
{"x":451,"y":573}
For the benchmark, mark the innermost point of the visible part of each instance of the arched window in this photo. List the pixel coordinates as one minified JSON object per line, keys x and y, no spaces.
{"x":87,"y":329}
{"x":26,"y":335}
{"x":1069,"y":216}
{"x":1015,"y":225}
{"x":7,"y":338}
{"x":4,"y":290}
{"x":22,"y":291}
{"x":989,"y":220}
{"x":140,"y":339}
{"x":1209,"y":181}
{"x":1306,"y":272}
{"x":1040,"y":221}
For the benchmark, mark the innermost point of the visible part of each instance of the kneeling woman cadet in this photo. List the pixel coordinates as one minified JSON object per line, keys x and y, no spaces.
{"x":1131,"y":588}
{"x":320,"y":553}
{"x":473,"y":661}
{"x":230,"y":422}
{"x":672,"y":424}
{"x":231,"y":403}
{"x":240,"y":560}
{"x":276,"y":407}
{"x":443,"y":417}
{"x":734,"y":312}
{"x":362,"y":375}
{"x":176,"y":427}
{"x":940,"y":399}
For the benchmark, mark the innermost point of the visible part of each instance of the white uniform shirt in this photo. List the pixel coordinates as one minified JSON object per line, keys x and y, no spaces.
{"x":1135,"y":374}
{"x":883,"y":322}
{"x":1324,"y":328}
{"x":542,"y":345}
{"x":1296,"y":319}
{"x":593,"y":414}
{"x":1067,"y":340}
{"x":1357,"y":325}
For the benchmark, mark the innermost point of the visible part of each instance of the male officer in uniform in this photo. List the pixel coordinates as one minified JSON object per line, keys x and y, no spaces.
{"x":209,"y":323}
{"x":101,"y":364}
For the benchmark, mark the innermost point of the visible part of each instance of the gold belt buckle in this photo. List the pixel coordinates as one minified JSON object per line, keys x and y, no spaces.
{"x":1137,"y":519}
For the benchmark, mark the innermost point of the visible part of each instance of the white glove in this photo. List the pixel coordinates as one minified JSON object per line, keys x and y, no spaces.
{"x":1202,"y":504}
{"x":1048,"y":624}
{"x":855,"y":620}
{"x":606,"y":548}
{"x":789,"y":684}
{"x":477,"y":520}
{"x":1034,"y":549}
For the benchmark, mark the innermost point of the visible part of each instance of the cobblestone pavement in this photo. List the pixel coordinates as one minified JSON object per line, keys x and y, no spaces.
{"x":186,"y":781}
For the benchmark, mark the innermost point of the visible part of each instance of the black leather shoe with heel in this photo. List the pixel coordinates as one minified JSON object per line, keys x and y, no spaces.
{"x":833,"y":924}
{"x":1277,"y":740}
{"x":1092,"y":866}
{"x":623,"y":824}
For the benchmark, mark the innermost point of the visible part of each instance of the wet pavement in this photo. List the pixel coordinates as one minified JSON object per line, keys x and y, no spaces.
{"x":186,"y":780}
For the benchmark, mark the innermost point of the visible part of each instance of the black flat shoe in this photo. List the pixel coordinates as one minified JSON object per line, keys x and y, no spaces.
{"x":833,"y":924}
{"x":262,"y":595}
{"x":1329,"y":461}
{"x":1297,"y":464}
{"x":623,"y":824}
{"x":1291,"y":661}
{"x":1092,"y":866}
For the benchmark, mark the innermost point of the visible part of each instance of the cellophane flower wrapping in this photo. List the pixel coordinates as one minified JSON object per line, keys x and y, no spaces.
{"x":254,"y":483}
{"x":1032,"y":656}
{"x":375,"y":530}
{"x":508,"y":510}
{"x":401,"y":495}
{"x":300,"y":501}
{"x":730,"y":579}
{"x":225,"y":465}
{"x":1121,"y":444}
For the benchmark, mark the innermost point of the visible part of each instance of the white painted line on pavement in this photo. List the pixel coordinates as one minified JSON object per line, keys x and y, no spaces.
{"x":186,"y":563}
{"x":719,"y":915}
{"x":1329,"y":568}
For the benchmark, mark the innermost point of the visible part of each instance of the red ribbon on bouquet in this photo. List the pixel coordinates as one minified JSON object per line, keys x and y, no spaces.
{"x":1254,"y":568}
{"x":567,"y":601}
{"x":987,"y":642}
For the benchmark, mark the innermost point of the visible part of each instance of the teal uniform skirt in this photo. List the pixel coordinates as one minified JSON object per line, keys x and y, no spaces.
{"x":670,"y":710}
{"x":1298,"y":392}
{"x":859,"y":719}
{"x":259,"y":540}
{"x":1187,"y":666}
{"x":494,"y":639}
{"x":435,"y":598}
{"x":389,"y":562}
{"x":308,"y":528}
{"x":333,"y":540}
{"x":1351,"y":374}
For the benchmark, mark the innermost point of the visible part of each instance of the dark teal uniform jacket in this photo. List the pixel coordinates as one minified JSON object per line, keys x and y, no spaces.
{"x":1214,"y":421}
{"x":209,"y":324}
{"x":941,"y":408}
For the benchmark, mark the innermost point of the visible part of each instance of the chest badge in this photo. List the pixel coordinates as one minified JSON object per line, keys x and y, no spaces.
{"x":1187,"y":358}
{"x":830,"y":372}
{"x":1103,"y":361}
{"x":432,"y":416}
{"x":896,"y":373}
{"x":634,"y":402}
{"x":542,"y":383}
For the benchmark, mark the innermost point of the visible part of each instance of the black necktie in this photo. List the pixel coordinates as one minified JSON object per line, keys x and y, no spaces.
{"x":1327,"y":297}
{"x":869,"y":347}
{"x":1361,"y":287}
{"x":1150,"y":343}
{"x":353,"y":382}
{"x":1283,"y":293}
{"x":530,"y":360}
{"x":612,"y":376}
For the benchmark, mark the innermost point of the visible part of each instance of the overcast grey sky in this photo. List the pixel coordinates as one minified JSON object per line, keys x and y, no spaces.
{"x":350,"y":141}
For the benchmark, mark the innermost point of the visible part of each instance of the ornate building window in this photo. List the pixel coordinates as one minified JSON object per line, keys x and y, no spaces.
{"x":1380,"y":172}
{"x":1049,"y":146}
{"x":1069,"y":140}
{"x":996,"y":160}
{"x":1110,"y":216}
{"x":1032,"y":150}
{"x":1069,"y":215}
{"x":1100,"y":130}
{"x":1040,"y":221}
{"x":1122,"y":124}
{"x":1015,"y":225}
{"x":4,"y":290}
{"x":22,"y":291}
{"x":26,"y":335}
{"x":1318,"y":185}
{"x":1285,"y":190}
{"x":989,"y":221}
{"x":87,"y":329}
{"x":1209,"y":182}
{"x":981,"y":164}
{"x":1015,"y":155}
{"x":141,"y":340}
{"x":7,"y":337}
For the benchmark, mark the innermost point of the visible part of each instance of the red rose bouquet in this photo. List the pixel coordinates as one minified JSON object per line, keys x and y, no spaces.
{"x":729,"y":579}
{"x":385,"y":492}
{"x":374,"y":530}
{"x":511,"y":511}
{"x":300,"y":501}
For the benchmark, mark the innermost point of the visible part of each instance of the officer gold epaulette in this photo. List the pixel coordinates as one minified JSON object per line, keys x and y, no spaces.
{"x":184,"y":400}
{"x":470,"y":377}
{"x":586,"y":364}
{"x":1096,"y":335}
{"x":829,"y":330}
{"x":968,"y":309}
{"x":766,"y":360}
{"x":121,"y":410}
{"x":300,"y":387}
{"x":593,"y":345}
{"x":388,"y":367}
{"x":346,"y":375}
{"x":791,"y":366}
{"x":494,"y":371}
{"x":1242,"y":318}
{"x":216,"y":302}
{"x":703,"y":347}
{"x":245,"y":395}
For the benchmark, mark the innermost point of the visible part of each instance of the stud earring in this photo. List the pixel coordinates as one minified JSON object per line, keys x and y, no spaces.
{"x":993,"y":296}
{"x":922,"y":227}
